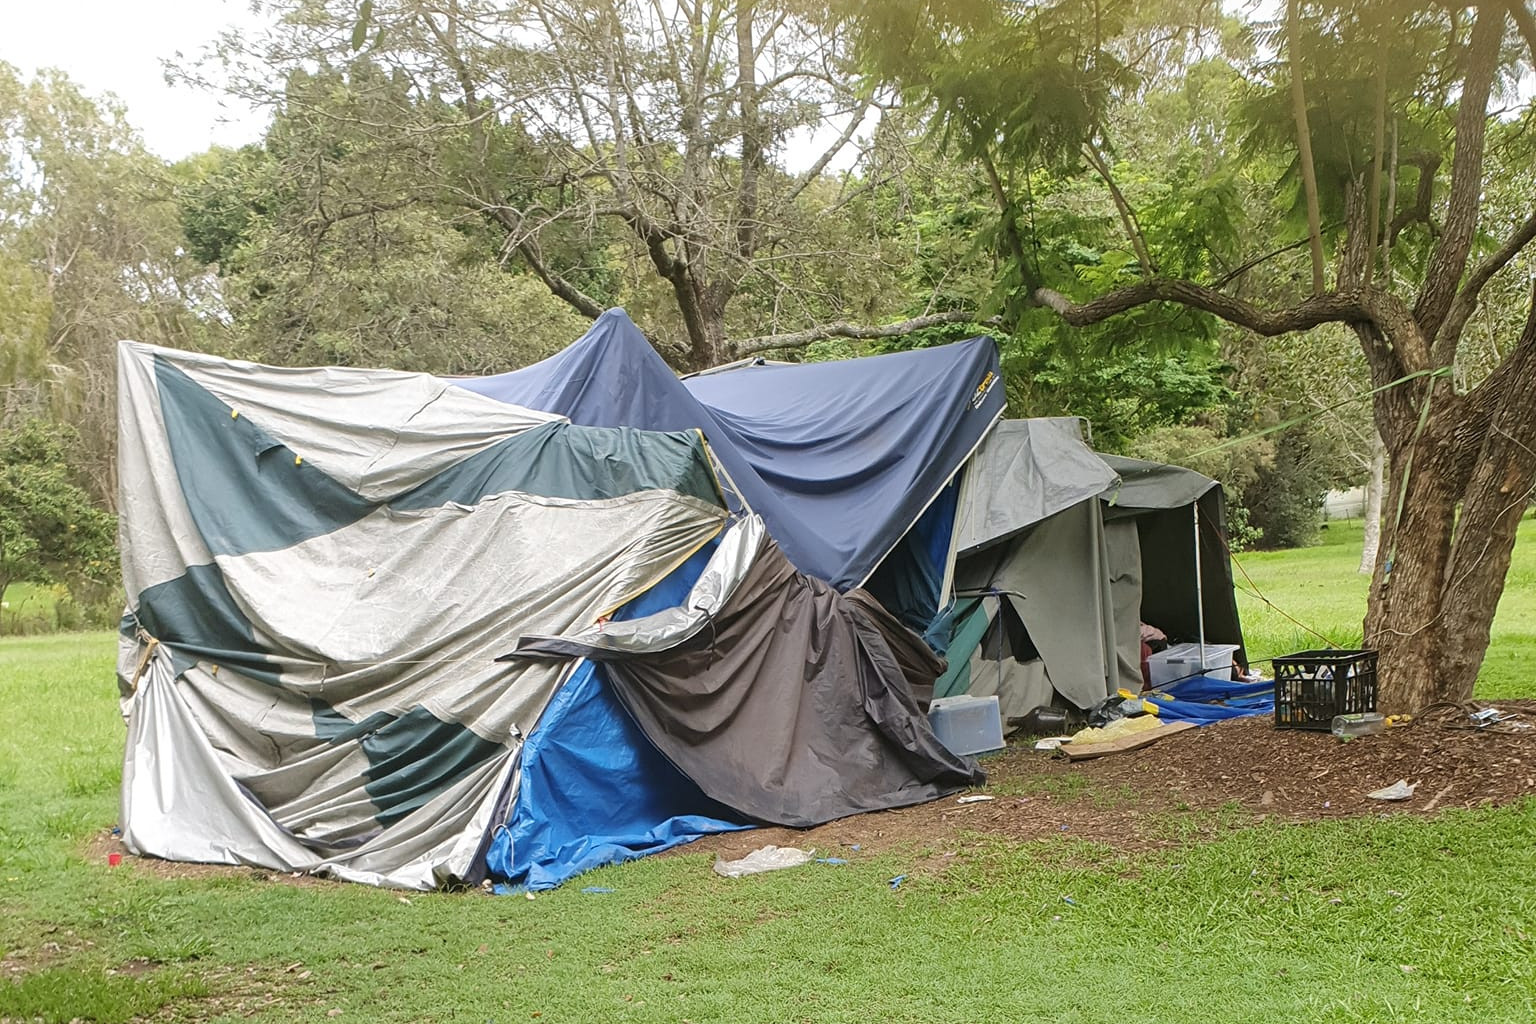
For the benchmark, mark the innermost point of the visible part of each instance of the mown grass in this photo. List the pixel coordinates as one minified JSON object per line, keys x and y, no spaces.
{"x":1320,"y":588}
{"x":1370,"y":920}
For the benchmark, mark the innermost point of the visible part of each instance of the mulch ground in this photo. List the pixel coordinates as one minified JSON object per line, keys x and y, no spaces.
{"x":1246,"y":768}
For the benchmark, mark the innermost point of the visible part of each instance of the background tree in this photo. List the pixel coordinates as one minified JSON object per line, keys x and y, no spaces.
{"x":50,"y":530}
{"x":91,"y":252}
{"x":610,"y":147}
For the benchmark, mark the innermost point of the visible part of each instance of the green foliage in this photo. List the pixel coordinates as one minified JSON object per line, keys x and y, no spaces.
{"x":50,"y":531}
{"x":91,"y":252}
{"x":332,"y":249}
{"x":1123,"y":395}
{"x":1285,"y":501}
{"x":1028,"y":83}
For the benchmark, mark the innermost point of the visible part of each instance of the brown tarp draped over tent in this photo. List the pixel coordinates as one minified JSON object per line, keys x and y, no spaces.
{"x":784,"y":700}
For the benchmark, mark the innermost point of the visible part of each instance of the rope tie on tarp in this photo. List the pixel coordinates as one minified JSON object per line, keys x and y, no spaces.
{"x":150,"y":643}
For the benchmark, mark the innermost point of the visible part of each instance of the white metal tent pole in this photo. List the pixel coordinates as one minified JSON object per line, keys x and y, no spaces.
{"x":1199,"y":587}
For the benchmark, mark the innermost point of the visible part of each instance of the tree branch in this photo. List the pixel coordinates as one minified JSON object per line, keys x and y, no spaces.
{"x":562,"y":289}
{"x":1247,"y":265}
{"x":858,"y":332}
{"x":1423,"y":197}
{"x":1329,"y":307}
{"x":1466,"y":300}
{"x":1379,"y":152}
{"x":1127,"y":215}
{"x":1449,"y":259}
{"x":1304,"y":145}
{"x":812,"y":172}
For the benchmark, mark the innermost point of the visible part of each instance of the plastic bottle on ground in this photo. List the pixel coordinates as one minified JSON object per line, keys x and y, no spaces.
{"x":1367,"y":723}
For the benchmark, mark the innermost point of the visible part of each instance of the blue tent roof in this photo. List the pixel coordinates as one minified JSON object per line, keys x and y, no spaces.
{"x":839,"y":458}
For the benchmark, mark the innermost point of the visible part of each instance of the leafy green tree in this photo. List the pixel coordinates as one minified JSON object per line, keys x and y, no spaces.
{"x":402,"y":287}
{"x":1383,"y":116}
{"x":614,"y":150}
{"x":50,"y":530}
{"x":91,"y":252}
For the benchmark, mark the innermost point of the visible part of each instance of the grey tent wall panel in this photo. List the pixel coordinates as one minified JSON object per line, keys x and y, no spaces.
{"x":1124,"y":550}
{"x":1055,"y":574}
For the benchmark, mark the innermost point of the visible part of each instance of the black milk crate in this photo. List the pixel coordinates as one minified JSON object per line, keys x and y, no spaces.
{"x":1314,"y":686}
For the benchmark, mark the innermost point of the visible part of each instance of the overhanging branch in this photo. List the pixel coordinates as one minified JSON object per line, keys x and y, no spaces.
{"x":857,"y":332}
{"x":1329,"y":307}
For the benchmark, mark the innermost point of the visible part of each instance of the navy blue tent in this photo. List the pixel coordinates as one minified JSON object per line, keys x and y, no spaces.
{"x":841,"y":459}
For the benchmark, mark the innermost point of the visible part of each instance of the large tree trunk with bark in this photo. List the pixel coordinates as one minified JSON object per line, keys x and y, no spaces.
{"x":1435,"y":593}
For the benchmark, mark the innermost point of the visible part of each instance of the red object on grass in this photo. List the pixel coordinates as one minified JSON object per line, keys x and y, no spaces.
{"x":114,"y":859}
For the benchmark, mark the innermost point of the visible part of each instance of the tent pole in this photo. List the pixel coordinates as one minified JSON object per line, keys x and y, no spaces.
{"x":1199,"y":586}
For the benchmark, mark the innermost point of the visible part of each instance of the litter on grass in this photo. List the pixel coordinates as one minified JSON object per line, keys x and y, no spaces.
{"x":768,"y":858}
{"x":975,"y":798}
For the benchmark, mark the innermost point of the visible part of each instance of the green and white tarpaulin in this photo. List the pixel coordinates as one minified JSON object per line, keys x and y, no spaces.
{"x":322,"y":566}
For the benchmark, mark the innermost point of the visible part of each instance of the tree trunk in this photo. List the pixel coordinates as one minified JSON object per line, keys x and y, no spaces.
{"x":1373,"y":488}
{"x":1435,"y":595}
{"x":703,"y":308}
{"x":1494,"y":502}
{"x":1405,"y":615}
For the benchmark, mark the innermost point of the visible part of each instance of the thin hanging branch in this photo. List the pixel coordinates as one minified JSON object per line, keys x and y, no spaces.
{"x":1304,"y":146}
{"x":1127,"y":215}
{"x":1380,"y":151}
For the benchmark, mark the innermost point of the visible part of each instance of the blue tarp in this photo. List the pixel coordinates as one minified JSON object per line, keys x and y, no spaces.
{"x":594,"y":790}
{"x":839,"y":458}
{"x":1203,"y":700}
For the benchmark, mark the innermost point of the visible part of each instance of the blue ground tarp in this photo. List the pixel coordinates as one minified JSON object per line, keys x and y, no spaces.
{"x":839,"y":458}
{"x":1203,"y":700}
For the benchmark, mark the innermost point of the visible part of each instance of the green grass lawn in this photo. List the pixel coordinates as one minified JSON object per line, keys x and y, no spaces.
{"x":1390,"y":919}
{"x":1320,"y":588}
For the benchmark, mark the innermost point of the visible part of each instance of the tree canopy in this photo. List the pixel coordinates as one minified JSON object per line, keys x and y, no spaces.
{"x":1293,"y":250}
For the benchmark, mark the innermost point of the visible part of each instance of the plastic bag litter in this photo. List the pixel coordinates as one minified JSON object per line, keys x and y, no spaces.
{"x":768,"y":858}
{"x":1399,"y":790}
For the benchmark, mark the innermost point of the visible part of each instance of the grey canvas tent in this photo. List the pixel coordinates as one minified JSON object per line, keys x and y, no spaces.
{"x":1063,"y":553}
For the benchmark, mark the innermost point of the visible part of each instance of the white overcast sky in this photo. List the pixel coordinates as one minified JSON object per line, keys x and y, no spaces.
{"x":120,"y":46}
{"x":117,"y":46}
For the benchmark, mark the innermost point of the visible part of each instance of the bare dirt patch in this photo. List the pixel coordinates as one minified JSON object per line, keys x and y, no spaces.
{"x":1247,"y":768}
{"x":101,"y":846}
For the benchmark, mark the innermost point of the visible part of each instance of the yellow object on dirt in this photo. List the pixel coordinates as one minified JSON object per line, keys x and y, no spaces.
{"x":1116,"y":729}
